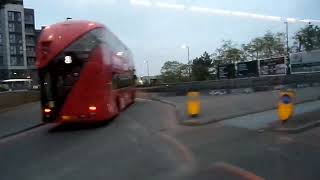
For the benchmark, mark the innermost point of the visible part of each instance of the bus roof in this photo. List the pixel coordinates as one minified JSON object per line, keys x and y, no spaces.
{"x":56,"y":37}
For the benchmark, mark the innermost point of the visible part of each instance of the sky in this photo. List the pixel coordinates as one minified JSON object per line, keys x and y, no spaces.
{"x":156,"y":33}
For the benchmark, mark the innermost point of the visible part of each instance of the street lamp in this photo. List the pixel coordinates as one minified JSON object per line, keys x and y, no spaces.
{"x":188,"y":49}
{"x":287,"y":36}
{"x":147,"y":62}
{"x":189,"y":63}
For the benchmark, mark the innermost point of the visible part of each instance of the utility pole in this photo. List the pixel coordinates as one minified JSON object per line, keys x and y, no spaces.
{"x":188,"y":48}
{"x":189,"y":63}
{"x":147,"y":62}
{"x":287,"y":37}
{"x":287,"y":44}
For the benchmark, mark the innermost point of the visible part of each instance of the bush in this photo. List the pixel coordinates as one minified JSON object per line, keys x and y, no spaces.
{"x":3,"y":89}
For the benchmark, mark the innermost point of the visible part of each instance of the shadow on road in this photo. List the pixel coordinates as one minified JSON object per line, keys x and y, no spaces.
{"x":70,"y":127}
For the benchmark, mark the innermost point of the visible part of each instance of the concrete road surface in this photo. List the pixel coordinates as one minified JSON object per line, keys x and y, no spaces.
{"x":146,"y":142}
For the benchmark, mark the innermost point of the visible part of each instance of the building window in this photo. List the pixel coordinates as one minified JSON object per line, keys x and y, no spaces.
{"x":1,"y":61}
{"x":30,"y":41}
{"x":13,"y":50}
{"x":11,"y":27}
{"x":31,"y":51}
{"x":19,"y":39}
{"x":13,"y":60}
{"x":28,"y":18}
{"x":14,"y":16}
{"x":16,"y":60}
{"x":12,"y":38}
{"x":11,"y":15}
{"x":18,"y":16}
{"x":31,"y":61}
{"x":29,"y":30}
{"x":18,"y":27}
{"x":20,"y":60}
{"x":20,"y":50}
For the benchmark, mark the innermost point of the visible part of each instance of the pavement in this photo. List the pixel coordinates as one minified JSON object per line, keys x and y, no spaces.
{"x":268,"y":120}
{"x":298,"y":123}
{"x":217,"y":108}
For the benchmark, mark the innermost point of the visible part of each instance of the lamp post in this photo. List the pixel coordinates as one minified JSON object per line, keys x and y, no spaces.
{"x":287,"y":36}
{"x":188,"y":50}
{"x":189,"y":63}
{"x":147,"y":62}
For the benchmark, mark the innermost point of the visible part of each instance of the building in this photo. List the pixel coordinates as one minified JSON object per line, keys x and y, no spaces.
{"x":17,"y":41}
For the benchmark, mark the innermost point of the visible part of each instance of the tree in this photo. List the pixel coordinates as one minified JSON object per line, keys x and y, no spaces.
{"x":307,"y":38}
{"x":267,"y":46}
{"x":273,"y":45}
{"x":201,"y":66}
{"x":228,"y":53}
{"x":174,"y":71}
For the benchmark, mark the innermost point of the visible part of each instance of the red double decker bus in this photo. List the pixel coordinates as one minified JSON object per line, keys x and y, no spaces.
{"x":86,"y":73}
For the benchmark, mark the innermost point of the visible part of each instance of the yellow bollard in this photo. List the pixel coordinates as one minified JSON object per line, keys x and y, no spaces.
{"x":193,"y":104}
{"x":286,"y":105}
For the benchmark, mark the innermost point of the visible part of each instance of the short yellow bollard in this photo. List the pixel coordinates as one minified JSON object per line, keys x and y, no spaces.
{"x":193,"y":104}
{"x":286,"y":105}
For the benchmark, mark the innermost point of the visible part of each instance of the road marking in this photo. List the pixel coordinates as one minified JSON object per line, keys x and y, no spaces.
{"x":183,"y":151}
{"x":230,"y":169}
{"x":141,"y":99}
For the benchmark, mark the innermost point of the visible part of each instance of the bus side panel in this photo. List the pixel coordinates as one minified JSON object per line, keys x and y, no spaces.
{"x":90,"y":90}
{"x":124,"y":95}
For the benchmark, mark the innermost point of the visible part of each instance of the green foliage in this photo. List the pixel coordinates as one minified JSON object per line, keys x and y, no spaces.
{"x":200,"y":67}
{"x":307,"y":38}
{"x":228,"y":53}
{"x":173,"y":71}
{"x":3,"y":89}
{"x":270,"y":45}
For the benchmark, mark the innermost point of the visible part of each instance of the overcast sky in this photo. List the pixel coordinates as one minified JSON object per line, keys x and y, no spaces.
{"x":156,"y":34}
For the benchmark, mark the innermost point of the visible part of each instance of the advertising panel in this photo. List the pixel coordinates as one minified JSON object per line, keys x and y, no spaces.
{"x":226,"y":71}
{"x":273,"y":66}
{"x":247,"y":69}
{"x":305,"y":62}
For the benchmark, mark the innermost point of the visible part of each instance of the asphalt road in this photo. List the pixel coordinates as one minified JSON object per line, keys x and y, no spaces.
{"x":130,"y":147}
{"x":146,"y":142}
{"x":19,"y":118}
